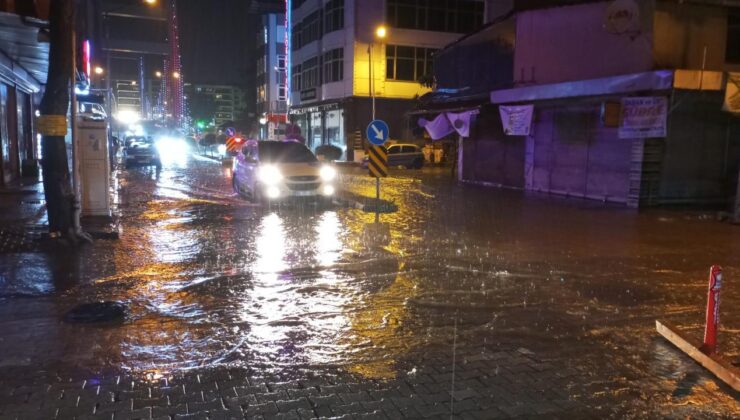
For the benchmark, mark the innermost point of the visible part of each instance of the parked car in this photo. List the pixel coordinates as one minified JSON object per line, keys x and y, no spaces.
{"x":275,"y":170}
{"x":401,"y":154}
{"x":141,"y":151}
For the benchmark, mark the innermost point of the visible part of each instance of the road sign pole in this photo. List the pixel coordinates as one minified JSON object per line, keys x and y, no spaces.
{"x":377,"y":199}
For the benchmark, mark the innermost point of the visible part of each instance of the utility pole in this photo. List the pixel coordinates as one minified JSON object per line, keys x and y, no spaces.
{"x":736,"y":218}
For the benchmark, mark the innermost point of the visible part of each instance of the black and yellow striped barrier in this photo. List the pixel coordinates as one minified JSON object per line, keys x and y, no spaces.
{"x":378,"y":162}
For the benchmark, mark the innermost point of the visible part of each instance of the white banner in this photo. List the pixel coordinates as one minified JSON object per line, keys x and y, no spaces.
{"x":517,"y":120}
{"x":643,"y":117}
{"x":732,"y":95}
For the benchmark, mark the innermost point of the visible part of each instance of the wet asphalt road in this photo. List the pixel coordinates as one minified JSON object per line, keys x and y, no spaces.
{"x":212,"y":281}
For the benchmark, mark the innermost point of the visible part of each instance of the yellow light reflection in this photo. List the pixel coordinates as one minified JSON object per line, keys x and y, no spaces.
{"x":329,"y":245}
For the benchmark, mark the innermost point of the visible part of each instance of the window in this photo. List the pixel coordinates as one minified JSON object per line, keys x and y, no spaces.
{"x":281,"y":62}
{"x":408,"y":149}
{"x":261,"y":66}
{"x":393,"y":150}
{"x":733,"y":37}
{"x":458,"y":16}
{"x":310,"y":74}
{"x":295,"y":84}
{"x":333,"y":16}
{"x":334,"y":65}
{"x":282,"y":92}
{"x":408,"y":63}
{"x":311,"y":28}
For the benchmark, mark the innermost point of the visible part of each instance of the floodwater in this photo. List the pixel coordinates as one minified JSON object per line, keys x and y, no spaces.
{"x":213,"y":280}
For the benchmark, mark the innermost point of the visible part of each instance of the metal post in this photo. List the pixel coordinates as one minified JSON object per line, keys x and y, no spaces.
{"x":75,"y":140}
{"x":371,"y":77}
{"x":712,"y":318}
{"x":377,"y":200}
{"x":108,"y":71}
{"x":737,"y":200}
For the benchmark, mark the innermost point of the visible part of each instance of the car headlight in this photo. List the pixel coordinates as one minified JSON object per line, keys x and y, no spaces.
{"x":328,"y":173}
{"x":269,"y":175}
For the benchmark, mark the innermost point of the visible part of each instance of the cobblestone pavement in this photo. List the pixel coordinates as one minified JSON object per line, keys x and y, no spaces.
{"x":472,"y":304}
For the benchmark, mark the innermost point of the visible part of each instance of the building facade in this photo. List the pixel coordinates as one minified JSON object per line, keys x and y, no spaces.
{"x":580,"y":66}
{"x":23,"y":72}
{"x":227,"y":100}
{"x":272,"y":74}
{"x":337,"y":63}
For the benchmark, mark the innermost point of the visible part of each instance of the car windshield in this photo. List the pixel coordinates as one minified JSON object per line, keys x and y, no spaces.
{"x":278,"y":152}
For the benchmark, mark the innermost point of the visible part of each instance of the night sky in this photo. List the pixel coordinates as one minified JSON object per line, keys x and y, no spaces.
{"x":217,"y":38}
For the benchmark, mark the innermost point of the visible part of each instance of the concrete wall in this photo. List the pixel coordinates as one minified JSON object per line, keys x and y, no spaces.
{"x":570,"y":43}
{"x":700,"y":156}
{"x":682,"y":31}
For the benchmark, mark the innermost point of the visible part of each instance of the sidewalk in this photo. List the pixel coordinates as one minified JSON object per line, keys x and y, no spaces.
{"x":24,"y":223}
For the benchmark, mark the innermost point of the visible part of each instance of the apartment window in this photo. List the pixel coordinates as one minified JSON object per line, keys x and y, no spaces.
{"x":295,"y":83}
{"x":282,"y":92}
{"x":333,"y":16}
{"x":312,"y":27}
{"x":458,"y":16}
{"x":733,"y":37}
{"x":310,"y":74}
{"x":261,"y":95}
{"x":261,"y":66}
{"x":408,"y":63}
{"x":334,"y":65}
{"x":281,"y":62}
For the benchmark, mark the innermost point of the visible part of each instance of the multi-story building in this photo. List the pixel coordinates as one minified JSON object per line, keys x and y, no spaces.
{"x":228,"y":101}
{"x":130,"y":44}
{"x":24,"y":53}
{"x":272,"y":84}
{"x":337,"y":61}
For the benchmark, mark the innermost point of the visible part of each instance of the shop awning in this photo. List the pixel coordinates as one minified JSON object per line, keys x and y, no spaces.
{"x":629,"y":83}
{"x":24,"y":60}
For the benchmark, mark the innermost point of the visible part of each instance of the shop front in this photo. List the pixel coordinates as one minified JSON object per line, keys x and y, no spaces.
{"x":322,"y":125}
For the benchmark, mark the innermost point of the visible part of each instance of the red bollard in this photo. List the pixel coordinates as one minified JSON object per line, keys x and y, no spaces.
{"x":710,"y":331}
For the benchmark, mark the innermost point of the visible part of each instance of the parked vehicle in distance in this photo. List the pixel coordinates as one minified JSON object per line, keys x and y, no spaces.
{"x":141,"y":151}
{"x":278,"y":170}
{"x":409,"y":156}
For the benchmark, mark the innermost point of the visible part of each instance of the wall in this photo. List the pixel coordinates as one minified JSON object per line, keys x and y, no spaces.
{"x":491,"y":157}
{"x":683,"y":30}
{"x":699,"y":162}
{"x":488,"y":58}
{"x":570,"y":43}
{"x":571,"y":153}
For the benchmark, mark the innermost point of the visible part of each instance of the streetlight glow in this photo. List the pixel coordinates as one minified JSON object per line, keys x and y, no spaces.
{"x":150,"y":1}
{"x":381,"y":32}
{"x":158,"y":73}
{"x":98,"y":70}
{"x":176,"y":75}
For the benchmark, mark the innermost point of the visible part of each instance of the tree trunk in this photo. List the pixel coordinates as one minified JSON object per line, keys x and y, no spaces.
{"x":60,"y":199}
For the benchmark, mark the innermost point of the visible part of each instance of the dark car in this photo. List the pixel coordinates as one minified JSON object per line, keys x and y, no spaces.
{"x":141,"y":151}
{"x":406,"y":155}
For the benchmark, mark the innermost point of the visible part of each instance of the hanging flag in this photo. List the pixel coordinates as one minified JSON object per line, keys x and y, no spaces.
{"x":438,"y":127}
{"x":517,"y":120}
{"x":461,"y":121}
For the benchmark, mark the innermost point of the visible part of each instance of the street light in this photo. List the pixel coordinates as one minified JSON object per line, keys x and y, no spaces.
{"x":380,"y":33}
{"x":150,"y":2}
{"x":99,"y":70}
{"x":158,"y":74}
{"x":176,"y":75}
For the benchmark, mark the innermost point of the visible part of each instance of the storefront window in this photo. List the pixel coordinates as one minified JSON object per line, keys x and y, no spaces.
{"x":316,"y":132}
{"x":335,"y":131}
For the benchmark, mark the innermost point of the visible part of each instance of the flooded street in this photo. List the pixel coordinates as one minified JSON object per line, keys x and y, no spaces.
{"x":546,"y":304}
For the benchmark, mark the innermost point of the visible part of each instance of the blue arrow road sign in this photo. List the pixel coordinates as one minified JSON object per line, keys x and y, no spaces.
{"x":377,"y":132}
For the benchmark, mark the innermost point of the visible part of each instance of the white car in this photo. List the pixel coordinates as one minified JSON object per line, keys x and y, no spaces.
{"x":275,"y":170}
